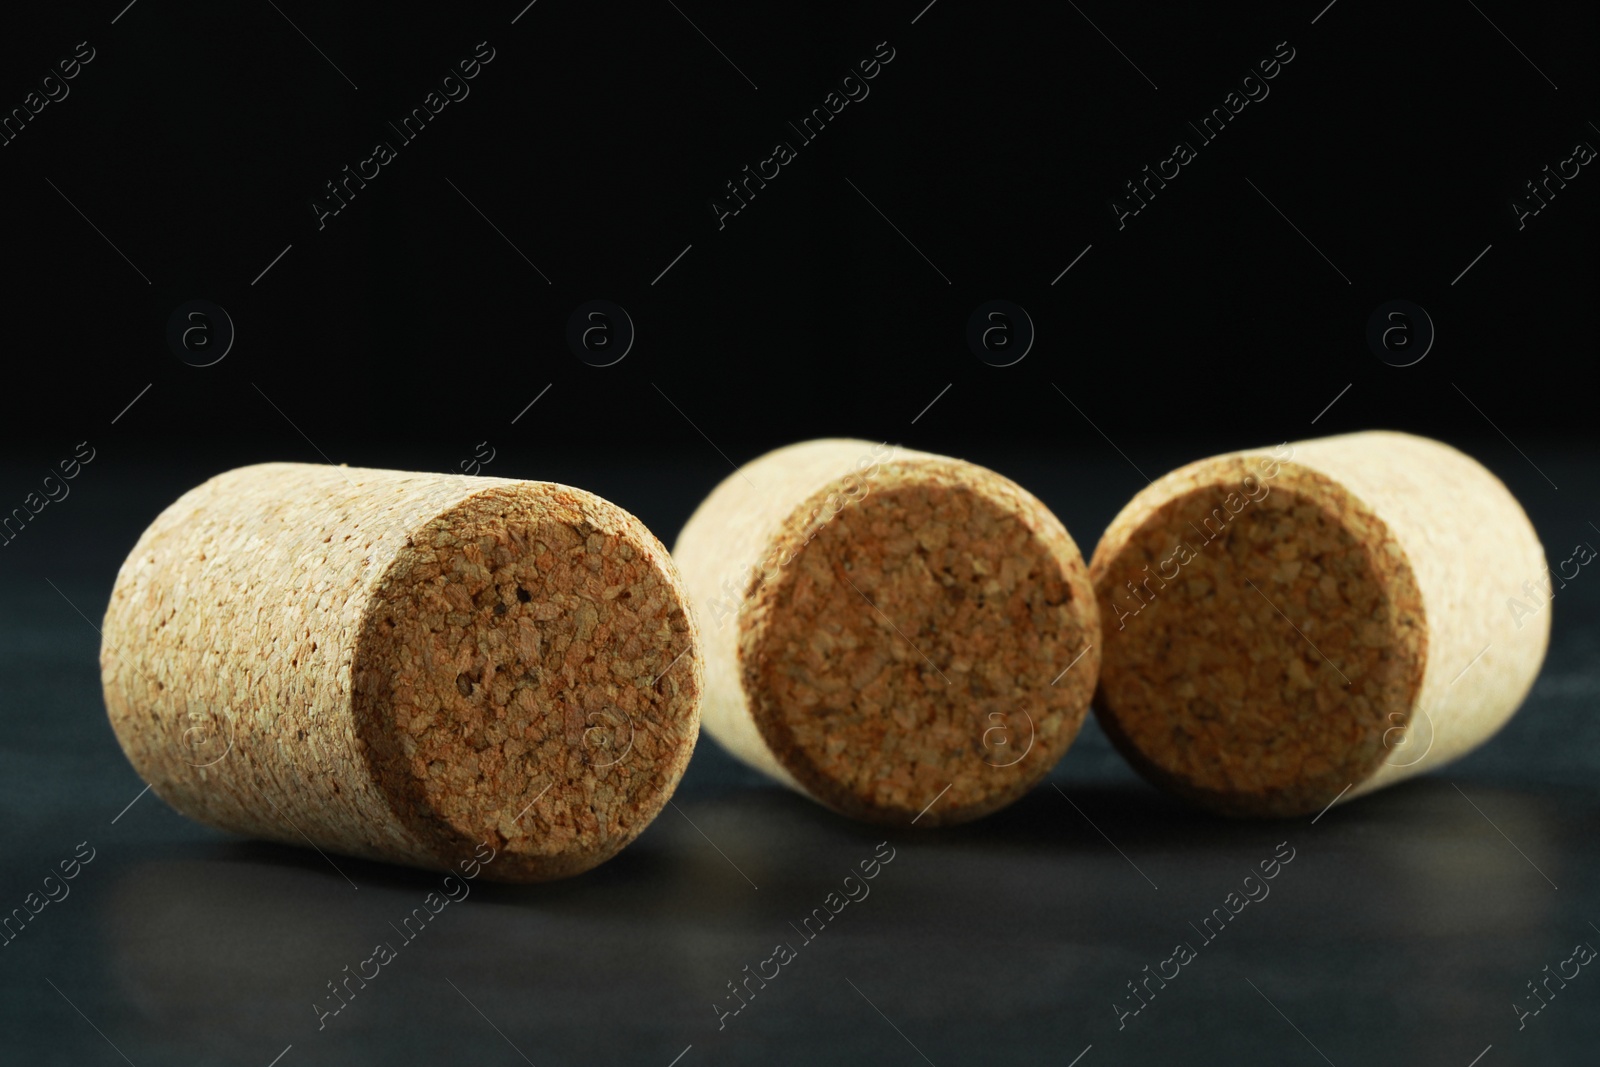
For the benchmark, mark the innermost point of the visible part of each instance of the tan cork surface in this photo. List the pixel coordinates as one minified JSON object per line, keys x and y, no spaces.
{"x":1292,"y":624}
{"x":400,"y":665}
{"x":883,"y":628}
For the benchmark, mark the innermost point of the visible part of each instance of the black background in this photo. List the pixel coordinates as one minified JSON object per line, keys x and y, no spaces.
{"x":1395,"y":140}
{"x":1232,"y":311}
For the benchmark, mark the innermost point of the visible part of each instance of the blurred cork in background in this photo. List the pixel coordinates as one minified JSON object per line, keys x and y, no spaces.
{"x":1288,"y":625}
{"x":903,"y":637}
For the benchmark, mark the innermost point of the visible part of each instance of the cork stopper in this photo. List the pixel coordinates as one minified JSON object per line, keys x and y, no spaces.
{"x":405,"y":666}
{"x":1290,"y":625}
{"x":888,"y":628}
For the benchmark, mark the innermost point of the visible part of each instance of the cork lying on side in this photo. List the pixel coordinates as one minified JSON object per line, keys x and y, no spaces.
{"x":904,"y":637}
{"x":1288,"y":625}
{"x":405,"y":666}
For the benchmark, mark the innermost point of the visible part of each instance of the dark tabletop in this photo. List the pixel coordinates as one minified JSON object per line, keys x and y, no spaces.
{"x":1403,"y":929}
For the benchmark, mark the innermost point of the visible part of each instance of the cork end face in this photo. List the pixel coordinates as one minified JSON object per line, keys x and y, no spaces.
{"x":1263,"y":641}
{"x":528,"y":676}
{"x":904,"y":651}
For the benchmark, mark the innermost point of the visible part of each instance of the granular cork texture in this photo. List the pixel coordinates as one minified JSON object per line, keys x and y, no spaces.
{"x":1278,"y":631}
{"x":1267,"y":671}
{"x":911,"y":646}
{"x":403,"y":666}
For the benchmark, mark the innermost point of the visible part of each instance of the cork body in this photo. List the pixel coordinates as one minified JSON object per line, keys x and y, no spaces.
{"x":404,"y":667}
{"x":903,"y":637}
{"x":1290,"y":624}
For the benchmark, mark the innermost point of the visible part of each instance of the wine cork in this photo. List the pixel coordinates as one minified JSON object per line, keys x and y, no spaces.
{"x":405,"y":666}
{"x":903,"y":637}
{"x":1288,"y":625}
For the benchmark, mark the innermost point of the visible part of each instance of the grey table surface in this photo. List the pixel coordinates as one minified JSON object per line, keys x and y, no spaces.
{"x":1404,"y":931}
